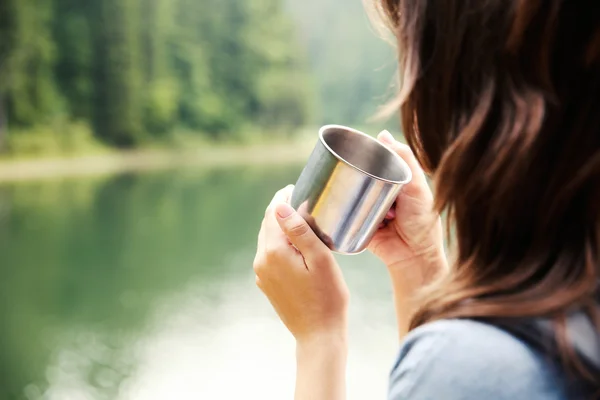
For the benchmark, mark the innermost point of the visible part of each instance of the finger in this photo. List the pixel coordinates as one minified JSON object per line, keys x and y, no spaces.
{"x":300,"y":234}
{"x":282,"y":196}
{"x":261,"y":238}
{"x":418,"y":186}
{"x":270,"y":225}
{"x":287,"y":192}
{"x":272,"y":234}
{"x":260,"y":247}
{"x":404,"y":151}
{"x":386,"y":137}
{"x":391,"y":214}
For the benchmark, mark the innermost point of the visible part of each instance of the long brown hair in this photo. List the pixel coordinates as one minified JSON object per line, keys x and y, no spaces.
{"x":500,"y":101}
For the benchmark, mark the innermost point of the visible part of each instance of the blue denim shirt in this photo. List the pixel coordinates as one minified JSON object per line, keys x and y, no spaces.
{"x":469,"y":360}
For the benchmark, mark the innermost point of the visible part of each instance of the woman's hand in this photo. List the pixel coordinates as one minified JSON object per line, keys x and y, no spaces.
{"x":303,"y":282}
{"x":411,"y":231}
{"x":299,"y":275}
{"x":410,"y":243}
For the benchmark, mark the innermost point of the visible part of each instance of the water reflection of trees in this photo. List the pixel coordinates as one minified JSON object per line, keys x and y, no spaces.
{"x":90,"y":258}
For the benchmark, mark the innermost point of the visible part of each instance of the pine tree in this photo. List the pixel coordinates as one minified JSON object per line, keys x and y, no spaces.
{"x":117,"y":75}
{"x":7,"y":43}
{"x":28,"y":77}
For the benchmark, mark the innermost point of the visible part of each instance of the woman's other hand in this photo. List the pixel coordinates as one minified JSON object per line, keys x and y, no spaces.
{"x":411,"y":231}
{"x":299,"y":275}
{"x":410,"y":242}
{"x":303,"y":282}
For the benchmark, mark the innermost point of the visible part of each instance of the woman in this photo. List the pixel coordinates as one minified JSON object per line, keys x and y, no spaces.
{"x":500,"y":103}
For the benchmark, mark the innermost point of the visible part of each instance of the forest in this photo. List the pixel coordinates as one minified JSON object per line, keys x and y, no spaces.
{"x":124,"y":73}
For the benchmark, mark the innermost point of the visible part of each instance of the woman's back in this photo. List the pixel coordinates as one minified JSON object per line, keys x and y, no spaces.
{"x":466,"y":359}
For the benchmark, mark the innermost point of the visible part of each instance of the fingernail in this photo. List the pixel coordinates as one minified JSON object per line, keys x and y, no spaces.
{"x":386,"y":137}
{"x":391,"y":214}
{"x":284,"y":210}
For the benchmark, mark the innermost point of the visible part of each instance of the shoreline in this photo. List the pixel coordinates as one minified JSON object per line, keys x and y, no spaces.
{"x":148,"y":160}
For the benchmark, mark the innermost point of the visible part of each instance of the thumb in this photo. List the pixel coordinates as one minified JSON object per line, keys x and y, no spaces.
{"x":299,"y":232}
{"x":418,"y":186}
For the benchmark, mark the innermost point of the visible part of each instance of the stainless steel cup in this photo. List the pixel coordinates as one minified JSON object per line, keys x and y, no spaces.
{"x":347,"y":187}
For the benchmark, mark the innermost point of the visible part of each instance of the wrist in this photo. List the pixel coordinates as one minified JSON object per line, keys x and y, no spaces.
{"x":417,"y":271}
{"x":431,"y":258}
{"x":321,"y":361}
{"x":326,"y":342}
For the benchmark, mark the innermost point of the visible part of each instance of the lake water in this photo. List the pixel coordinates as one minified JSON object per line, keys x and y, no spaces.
{"x":140,"y":287}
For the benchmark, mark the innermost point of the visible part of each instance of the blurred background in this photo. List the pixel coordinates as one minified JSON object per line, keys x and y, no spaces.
{"x":140,"y":141}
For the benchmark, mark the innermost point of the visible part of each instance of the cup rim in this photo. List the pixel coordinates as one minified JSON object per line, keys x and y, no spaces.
{"x":403,"y":163}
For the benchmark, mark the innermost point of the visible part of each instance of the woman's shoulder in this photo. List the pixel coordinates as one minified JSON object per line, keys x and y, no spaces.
{"x":466,"y":359}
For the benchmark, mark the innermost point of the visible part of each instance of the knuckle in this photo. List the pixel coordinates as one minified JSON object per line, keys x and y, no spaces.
{"x":258,"y":282}
{"x":321,"y":258}
{"x":299,"y":229}
{"x":345,"y":295}
{"x":258,"y":266}
{"x":273,"y":254}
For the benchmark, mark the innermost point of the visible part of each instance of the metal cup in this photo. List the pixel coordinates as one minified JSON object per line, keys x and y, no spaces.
{"x":347,"y":187}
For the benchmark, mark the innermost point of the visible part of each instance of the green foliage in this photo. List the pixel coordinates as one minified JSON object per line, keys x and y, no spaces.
{"x":117,"y":83}
{"x":72,"y":33}
{"x":160,"y":108}
{"x":8,"y":36}
{"x":282,"y":86}
{"x":29,"y":84}
{"x":60,"y":137}
{"x":137,"y":70}
{"x":282,"y":100}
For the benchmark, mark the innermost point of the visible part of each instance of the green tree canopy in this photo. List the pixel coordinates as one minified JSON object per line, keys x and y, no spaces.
{"x":135,"y":69}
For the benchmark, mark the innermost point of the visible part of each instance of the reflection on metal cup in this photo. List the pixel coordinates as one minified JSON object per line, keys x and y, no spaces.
{"x":347,"y":187}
